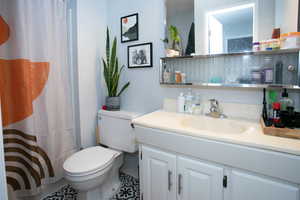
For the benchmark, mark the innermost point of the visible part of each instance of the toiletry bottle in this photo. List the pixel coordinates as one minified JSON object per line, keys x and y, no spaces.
{"x":256,"y":75}
{"x":196,"y":108}
{"x":272,"y":97}
{"x":189,"y":98}
{"x":265,"y":110}
{"x":276,"y":113}
{"x":178,"y":77}
{"x":183,"y":77}
{"x":268,"y":71}
{"x":181,"y":103}
{"x":290,"y":120}
{"x":285,"y":101}
{"x":167,"y":75}
{"x":278,"y":72}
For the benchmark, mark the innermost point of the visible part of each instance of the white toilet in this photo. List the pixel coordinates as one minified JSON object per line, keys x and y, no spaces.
{"x":94,"y":171}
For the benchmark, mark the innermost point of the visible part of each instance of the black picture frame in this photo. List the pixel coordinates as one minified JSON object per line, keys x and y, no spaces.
{"x":150,"y":57}
{"x":136,"y":15}
{"x":298,"y":16}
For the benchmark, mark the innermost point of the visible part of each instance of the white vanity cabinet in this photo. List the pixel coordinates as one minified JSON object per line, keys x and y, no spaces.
{"x":166,"y":176}
{"x":170,"y":176}
{"x":248,"y":186}
{"x":198,"y":180}
{"x":158,"y":172}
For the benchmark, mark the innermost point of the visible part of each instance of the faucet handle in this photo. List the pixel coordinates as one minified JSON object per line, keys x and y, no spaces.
{"x":214,"y":102}
{"x":214,"y":105}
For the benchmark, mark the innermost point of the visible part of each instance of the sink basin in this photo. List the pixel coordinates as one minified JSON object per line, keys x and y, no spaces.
{"x":222,"y":126}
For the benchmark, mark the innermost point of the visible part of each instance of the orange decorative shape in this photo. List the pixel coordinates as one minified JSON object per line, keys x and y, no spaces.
{"x":125,"y":20}
{"x":4,"y":31}
{"x":21,"y":82}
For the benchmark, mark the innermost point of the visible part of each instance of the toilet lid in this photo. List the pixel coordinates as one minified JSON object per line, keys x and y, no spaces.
{"x":89,"y":160}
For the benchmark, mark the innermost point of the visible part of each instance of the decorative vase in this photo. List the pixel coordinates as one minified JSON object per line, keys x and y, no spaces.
{"x":113,"y":103}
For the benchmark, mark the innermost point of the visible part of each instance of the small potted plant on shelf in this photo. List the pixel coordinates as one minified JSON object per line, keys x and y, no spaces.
{"x":112,"y":75}
{"x":175,"y":41}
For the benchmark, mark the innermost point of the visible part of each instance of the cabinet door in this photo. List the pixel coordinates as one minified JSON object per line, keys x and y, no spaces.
{"x":159,"y":173}
{"x":198,"y":180}
{"x":247,"y":186}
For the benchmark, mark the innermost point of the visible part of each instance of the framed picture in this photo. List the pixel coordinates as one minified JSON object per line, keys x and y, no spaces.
{"x":130,"y":28}
{"x":140,"y":55}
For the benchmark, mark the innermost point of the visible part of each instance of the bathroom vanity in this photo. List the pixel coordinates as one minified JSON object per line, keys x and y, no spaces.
{"x":190,"y":157}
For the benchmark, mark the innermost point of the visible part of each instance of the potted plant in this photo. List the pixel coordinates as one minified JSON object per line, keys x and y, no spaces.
{"x":112,"y":75}
{"x":175,"y":41}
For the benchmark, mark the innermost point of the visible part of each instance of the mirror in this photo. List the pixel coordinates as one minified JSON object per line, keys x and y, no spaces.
{"x":228,"y":26}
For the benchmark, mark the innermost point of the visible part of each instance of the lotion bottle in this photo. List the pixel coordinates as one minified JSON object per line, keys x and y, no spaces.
{"x":181,"y":103}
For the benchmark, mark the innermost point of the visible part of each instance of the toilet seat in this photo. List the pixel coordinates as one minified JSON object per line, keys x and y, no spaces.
{"x":90,"y":161}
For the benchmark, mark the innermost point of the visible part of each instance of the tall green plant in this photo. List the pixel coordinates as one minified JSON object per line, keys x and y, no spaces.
{"x":111,"y":70}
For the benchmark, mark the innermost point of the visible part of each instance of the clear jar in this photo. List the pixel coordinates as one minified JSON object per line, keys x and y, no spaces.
{"x":256,"y":75}
{"x":183,"y":77}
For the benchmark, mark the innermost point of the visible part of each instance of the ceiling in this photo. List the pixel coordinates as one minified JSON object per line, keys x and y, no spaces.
{"x":237,"y":16}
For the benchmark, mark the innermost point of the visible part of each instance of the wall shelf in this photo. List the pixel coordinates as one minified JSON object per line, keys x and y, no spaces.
{"x":273,"y":52}
{"x":201,"y":85}
{"x":235,"y":70}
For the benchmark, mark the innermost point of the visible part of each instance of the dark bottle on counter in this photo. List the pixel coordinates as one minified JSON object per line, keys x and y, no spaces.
{"x":265,"y":117}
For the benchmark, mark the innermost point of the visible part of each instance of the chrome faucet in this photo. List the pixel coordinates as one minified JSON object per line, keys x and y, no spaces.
{"x":215,"y":110}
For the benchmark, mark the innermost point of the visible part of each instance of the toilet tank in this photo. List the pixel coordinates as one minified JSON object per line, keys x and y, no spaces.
{"x":115,"y":130}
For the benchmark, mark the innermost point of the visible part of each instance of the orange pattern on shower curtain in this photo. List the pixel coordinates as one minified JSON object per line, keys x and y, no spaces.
{"x":4,"y":31}
{"x":21,"y":82}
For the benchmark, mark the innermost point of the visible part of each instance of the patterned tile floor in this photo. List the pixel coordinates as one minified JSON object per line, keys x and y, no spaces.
{"x":129,"y":190}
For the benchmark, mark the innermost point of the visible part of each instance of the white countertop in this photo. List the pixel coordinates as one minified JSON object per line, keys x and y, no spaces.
{"x":253,"y":137}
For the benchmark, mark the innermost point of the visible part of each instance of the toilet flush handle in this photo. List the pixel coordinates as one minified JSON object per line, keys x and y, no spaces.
{"x":132,"y":125}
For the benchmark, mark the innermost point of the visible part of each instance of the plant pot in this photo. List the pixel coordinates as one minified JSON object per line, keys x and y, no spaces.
{"x":113,"y":103}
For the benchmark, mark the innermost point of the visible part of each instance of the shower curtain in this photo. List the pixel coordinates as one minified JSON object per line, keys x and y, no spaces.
{"x":35,"y":93}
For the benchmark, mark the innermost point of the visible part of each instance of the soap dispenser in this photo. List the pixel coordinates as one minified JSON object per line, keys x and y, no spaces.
{"x":285,"y":101}
{"x":181,"y":103}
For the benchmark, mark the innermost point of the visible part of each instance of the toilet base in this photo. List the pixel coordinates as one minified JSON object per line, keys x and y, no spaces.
{"x":108,"y":188}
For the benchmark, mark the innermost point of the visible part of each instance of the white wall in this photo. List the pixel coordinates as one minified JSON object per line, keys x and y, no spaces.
{"x":91,"y":27}
{"x":287,"y":15}
{"x":144,"y":93}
